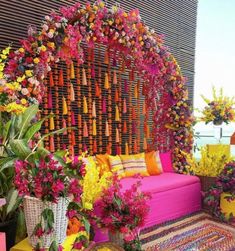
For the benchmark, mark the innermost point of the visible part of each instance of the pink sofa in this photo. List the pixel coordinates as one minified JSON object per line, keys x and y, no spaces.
{"x":173,"y":195}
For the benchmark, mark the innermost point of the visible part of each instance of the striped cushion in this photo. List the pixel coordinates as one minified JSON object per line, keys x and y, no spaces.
{"x":134,"y":164}
{"x":116,"y":165}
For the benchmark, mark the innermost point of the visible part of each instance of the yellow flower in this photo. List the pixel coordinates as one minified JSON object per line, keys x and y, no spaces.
{"x":36,"y":60}
{"x":29,"y":73}
{"x":23,"y":101}
{"x":88,"y":205}
{"x":14,"y":108}
{"x":43,"y":48}
{"x":3,"y":56}
{"x":51,"y":44}
{"x":21,"y":50}
{"x":6,"y":50}
{"x":51,"y":30}
{"x":20,"y":79}
{"x":101,"y":4}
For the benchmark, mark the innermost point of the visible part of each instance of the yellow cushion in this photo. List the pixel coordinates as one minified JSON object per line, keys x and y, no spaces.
{"x":153,"y":162}
{"x":103,"y":162}
{"x":134,"y":164}
{"x":116,"y":165}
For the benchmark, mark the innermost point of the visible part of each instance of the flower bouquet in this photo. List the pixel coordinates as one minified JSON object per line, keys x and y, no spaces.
{"x":220,"y":109}
{"x":123,"y":213}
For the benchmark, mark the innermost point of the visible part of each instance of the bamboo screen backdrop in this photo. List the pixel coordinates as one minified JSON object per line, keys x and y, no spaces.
{"x":176,"y":19}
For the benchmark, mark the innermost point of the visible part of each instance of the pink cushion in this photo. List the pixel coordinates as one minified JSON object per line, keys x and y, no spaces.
{"x":163,"y":182}
{"x":166,"y":162}
{"x":2,"y":242}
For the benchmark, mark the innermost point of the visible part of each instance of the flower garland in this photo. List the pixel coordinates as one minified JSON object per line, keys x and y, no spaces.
{"x":60,"y":39}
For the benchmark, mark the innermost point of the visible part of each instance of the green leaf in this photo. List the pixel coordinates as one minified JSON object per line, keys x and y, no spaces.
{"x":20,"y":148}
{"x":27,"y":117}
{"x":53,"y":246}
{"x":54,"y":132}
{"x":87,"y":224}
{"x":6,"y":130}
{"x":12,"y":200}
{"x":35,"y":128}
{"x":7,"y":162}
{"x":42,"y":152}
{"x":48,"y":217}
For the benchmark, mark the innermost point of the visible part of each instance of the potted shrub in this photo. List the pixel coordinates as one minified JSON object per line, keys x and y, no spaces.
{"x":123,"y":213}
{"x":208,"y":167}
{"x":19,"y":132}
{"x":222,"y":193}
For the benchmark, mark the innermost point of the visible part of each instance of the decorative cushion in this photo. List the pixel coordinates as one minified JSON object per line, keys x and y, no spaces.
{"x":153,"y":162}
{"x":116,"y":165}
{"x":103,"y":162}
{"x":134,"y":164}
{"x":166,"y":162}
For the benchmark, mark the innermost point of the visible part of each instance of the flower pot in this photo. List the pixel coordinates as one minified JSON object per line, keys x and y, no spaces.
{"x":33,"y":208}
{"x":9,"y":228}
{"x":227,"y":207}
{"x":218,"y":122}
{"x":116,"y":238}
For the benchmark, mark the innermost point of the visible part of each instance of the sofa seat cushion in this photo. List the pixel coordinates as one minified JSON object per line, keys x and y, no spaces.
{"x":161,"y":183}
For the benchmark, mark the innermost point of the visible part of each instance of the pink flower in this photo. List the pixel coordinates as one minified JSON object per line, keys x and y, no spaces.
{"x":124,"y":230}
{"x":78,"y":245}
{"x":129,"y":237}
{"x":39,"y":232}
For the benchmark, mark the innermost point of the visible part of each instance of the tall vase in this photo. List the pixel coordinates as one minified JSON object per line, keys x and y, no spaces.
{"x":116,"y":238}
{"x":33,"y":208}
{"x":218,"y":131}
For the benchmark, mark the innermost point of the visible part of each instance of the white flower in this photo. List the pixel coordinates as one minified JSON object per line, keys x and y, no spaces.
{"x":45,"y":27}
{"x":24,"y":91}
{"x":50,"y":34}
{"x":47,"y":18}
{"x":57,"y":25}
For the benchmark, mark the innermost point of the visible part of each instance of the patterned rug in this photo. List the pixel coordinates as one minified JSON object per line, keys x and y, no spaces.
{"x":197,"y":232}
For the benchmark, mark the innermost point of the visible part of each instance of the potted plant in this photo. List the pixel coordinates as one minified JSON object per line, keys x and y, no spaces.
{"x":123,"y":213}
{"x":222,"y":193}
{"x":208,"y":167}
{"x":19,"y":132}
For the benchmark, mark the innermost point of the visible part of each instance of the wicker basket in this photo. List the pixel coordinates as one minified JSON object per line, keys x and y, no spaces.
{"x":116,"y":238}
{"x":33,"y":208}
{"x":206,"y":182}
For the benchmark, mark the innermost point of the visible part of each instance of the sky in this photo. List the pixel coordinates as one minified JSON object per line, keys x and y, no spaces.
{"x":215,"y":49}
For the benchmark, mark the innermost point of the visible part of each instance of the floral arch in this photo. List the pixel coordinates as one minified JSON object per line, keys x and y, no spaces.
{"x":23,"y":72}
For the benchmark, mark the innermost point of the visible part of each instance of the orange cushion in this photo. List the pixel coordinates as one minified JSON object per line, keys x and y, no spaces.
{"x":153,"y":163}
{"x":103,"y":162}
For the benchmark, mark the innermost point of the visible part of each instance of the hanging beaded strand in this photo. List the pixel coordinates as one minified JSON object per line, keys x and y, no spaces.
{"x":45,"y":113}
{"x":69,"y":118}
{"x":79,"y":105}
{"x":109,"y":95}
{"x":130,"y":116}
{"x":138,"y":115}
{"x":99,"y":95}
{"x":91,"y":124}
